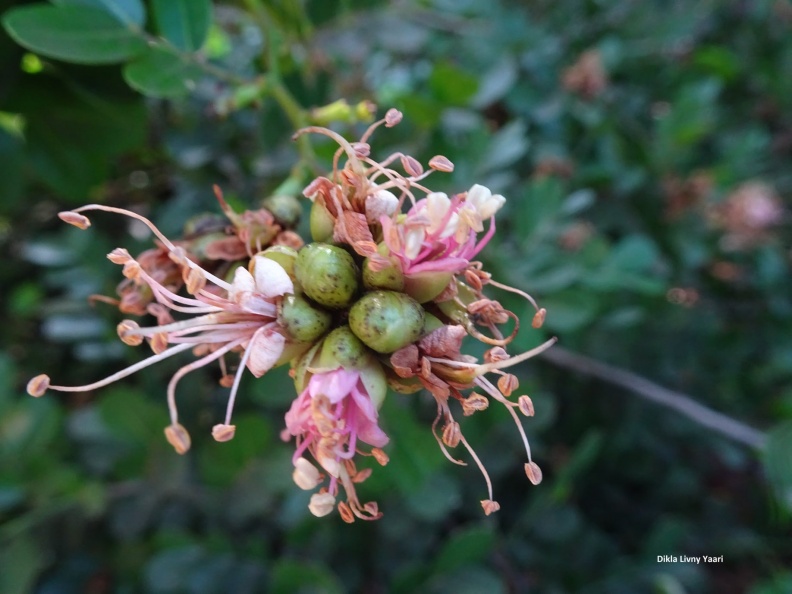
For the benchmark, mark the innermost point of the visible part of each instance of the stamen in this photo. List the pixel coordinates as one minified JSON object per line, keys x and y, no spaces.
{"x":533,"y":472}
{"x":38,"y":385}
{"x":480,"y":465}
{"x":72,"y":218}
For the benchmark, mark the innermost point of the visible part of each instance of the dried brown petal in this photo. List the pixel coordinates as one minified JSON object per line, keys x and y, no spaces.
{"x":405,"y":361}
{"x":445,"y":342}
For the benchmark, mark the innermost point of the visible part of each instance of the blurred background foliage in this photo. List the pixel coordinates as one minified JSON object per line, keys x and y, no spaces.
{"x":644,"y":148}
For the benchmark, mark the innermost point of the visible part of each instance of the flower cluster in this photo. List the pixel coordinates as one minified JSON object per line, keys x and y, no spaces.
{"x":382,"y":297}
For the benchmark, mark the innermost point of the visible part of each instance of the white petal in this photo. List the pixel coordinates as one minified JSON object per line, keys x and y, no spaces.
{"x":413,"y":242}
{"x":478,"y":195}
{"x":243,"y":283}
{"x":492,"y":206}
{"x":265,"y":348}
{"x":437,"y":205}
{"x":271,"y":279}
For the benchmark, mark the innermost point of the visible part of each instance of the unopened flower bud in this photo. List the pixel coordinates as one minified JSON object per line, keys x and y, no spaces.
{"x":508,"y":383}
{"x":38,"y":385}
{"x":490,"y":506}
{"x":321,"y":504}
{"x":178,"y":437}
{"x":328,"y":274}
{"x":533,"y":472}
{"x":539,"y":318}
{"x":305,"y":475}
{"x":222,"y":432}
{"x":303,"y":321}
{"x":386,"y":321}
{"x":127,"y":332}
{"x":526,"y":405}
{"x":74,"y":218}
{"x":286,"y":209}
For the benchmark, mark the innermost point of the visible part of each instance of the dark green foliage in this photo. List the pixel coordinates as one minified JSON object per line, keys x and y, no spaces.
{"x":623,"y":219}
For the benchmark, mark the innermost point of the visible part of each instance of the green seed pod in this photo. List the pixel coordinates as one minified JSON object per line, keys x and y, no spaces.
{"x":425,"y":286}
{"x":327,"y":274}
{"x":431,"y":323}
{"x":303,"y":322}
{"x":322,"y":222}
{"x":387,"y":321}
{"x":286,"y":209}
{"x":390,"y":278}
{"x":342,"y":347}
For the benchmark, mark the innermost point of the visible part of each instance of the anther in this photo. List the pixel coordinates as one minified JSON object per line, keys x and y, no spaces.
{"x":490,"y":506}
{"x":321,"y":504}
{"x":380,"y":456}
{"x":539,"y":318}
{"x":441,"y":163}
{"x":38,"y":385}
{"x":74,"y":218}
{"x":178,"y":437}
{"x":392,"y":117}
{"x":222,"y":432}
{"x":526,"y":405}
{"x":508,"y":383}
{"x":127,"y":332}
{"x":533,"y":472}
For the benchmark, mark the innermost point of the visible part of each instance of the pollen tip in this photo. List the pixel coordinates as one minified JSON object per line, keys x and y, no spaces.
{"x":74,"y":218}
{"x":490,"y":506}
{"x":533,"y":472}
{"x":38,"y":385}
{"x":222,"y":432}
{"x":539,"y":318}
{"x":178,"y":437}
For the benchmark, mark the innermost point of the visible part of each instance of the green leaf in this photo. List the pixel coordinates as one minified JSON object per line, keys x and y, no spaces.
{"x":159,"y":73}
{"x":778,"y":461}
{"x":185,"y":23}
{"x":72,"y":33}
{"x":129,"y":12}
{"x":465,"y":549}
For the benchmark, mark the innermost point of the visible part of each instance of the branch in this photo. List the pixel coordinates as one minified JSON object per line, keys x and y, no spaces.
{"x":677,"y":401}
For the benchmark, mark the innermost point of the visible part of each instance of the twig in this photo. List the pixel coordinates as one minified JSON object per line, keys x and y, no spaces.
{"x":674,"y":400}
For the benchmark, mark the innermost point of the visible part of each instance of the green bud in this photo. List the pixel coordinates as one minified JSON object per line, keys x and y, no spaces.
{"x":304,"y":322}
{"x":425,"y":286}
{"x":373,"y":377}
{"x":321,"y":221}
{"x":286,"y":209}
{"x":387,"y":321}
{"x":301,"y":365}
{"x":342,"y":348}
{"x":327,"y":274}
{"x":390,"y":278}
{"x":431,"y":323}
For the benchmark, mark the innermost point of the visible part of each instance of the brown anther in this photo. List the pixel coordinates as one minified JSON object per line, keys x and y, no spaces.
{"x":372,"y":509}
{"x":38,"y":385}
{"x":127,"y":330}
{"x":539,"y":318}
{"x":392,"y":117}
{"x":74,"y":218}
{"x":227,"y":380}
{"x":194,"y":280}
{"x":526,"y":405}
{"x":411,"y":165}
{"x":441,"y":163}
{"x":507,"y":384}
{"x":496,"y":354}
{"x":452,"y":434}
{"x":380,"y":456}
{"x":159,"y":342}
{"x":119,"y":256}
{"x":222,"y":432}
{"x":474,"y":403}
{"x":345,"y":513}
{"x":131,"y":270}
{"x":474,"y":280}
{"x":533,"y":472}
{"x":178,"y":437}
{"x":490,"y":506}
{"x":361,"y":476}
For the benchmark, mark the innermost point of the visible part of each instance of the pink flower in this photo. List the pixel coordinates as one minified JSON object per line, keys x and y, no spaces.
{"x":236,"y":316}
{"x":331,"y":415}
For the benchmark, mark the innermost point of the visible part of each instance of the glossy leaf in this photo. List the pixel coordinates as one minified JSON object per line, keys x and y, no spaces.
{"x":129,"y":12}
{"x":160,"y":73}
{"x":72,"y":33}
{"x":184,"y":23}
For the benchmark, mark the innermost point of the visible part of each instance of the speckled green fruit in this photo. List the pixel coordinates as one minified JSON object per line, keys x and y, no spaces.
{"x":327,"y":274}
{"x":425,"y":286}
{"x":390,"y":278}
{"x":303,"y":321}
{"x":283,"y":255}
{"x":321,"y":221}
{"x":342,"y":347}
{"x":386,"y":321}
{"x":286,"y":209}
